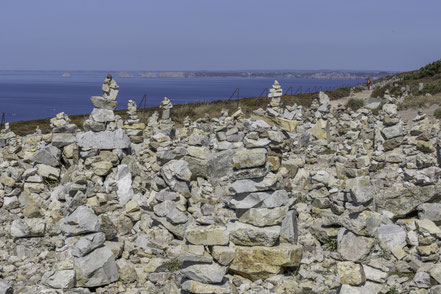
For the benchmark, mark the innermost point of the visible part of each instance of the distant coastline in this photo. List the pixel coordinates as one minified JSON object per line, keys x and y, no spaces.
{"x":276,"y":74}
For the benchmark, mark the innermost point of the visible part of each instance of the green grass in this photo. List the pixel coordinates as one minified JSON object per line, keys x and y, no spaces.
{"x":354,"y":104}
{"x":437,"y":113}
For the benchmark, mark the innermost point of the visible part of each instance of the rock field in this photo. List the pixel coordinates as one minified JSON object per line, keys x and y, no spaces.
{"x":289,"y":200}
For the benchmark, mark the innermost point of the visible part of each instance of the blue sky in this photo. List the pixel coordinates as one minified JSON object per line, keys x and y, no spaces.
{"x":218,"y":34}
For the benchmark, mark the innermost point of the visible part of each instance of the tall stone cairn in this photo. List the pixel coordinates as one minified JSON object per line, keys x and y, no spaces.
{"x":103,"y":128}
{"x":133,"y":127}
{"x":275,"y":93}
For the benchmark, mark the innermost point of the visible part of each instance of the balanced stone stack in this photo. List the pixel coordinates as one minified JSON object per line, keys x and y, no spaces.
{"x":275,"y":94}
{"x":132,"y":126}
{"x":103,"y":130}
{"x":5,"y":135}
{"x":166,"y":107}
{"x":64,"y":135}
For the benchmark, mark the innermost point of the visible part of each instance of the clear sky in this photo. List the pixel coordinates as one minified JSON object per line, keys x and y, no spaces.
{"x":219,"y":34}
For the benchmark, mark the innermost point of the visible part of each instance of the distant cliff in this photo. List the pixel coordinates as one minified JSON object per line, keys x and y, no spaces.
{"x":355,"y":75}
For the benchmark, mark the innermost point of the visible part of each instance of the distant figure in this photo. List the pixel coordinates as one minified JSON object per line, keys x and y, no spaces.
{"x":369,"y":83}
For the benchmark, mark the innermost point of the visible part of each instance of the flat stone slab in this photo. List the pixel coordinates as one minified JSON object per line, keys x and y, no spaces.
{"x":104,"y":140}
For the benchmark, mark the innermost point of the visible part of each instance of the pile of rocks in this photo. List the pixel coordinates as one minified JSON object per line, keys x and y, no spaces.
{"x":133,"y":127}
{"x":275,"y":93}
{"x":318,"y":200}
{"x":103,"y":129}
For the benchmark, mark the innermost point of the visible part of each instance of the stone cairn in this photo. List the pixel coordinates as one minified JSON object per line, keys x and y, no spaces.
{"x":103,"y":130}
{"x":133,"y":127}
{"x":102,"y":117}
{"x":166,"y":107}
{"x":345,"y":202}
{"x":275,"y":93}
{"x":64,"y":135}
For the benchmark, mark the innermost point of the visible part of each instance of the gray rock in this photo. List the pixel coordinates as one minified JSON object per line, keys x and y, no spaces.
{"x":167,"y":195}
{"x":373,"y":105}
{"x":108,"y":228}
{"x":260,"y":199}
{"x":88,"y":243}
{"x":393,"y":131}
{"x":5,"y":288}
{"x":402,"y":200}
{"x":262,"y":217}
{"x":103,"y":103}
{"x":63,"y":279}
{"x":97,"y":268}
{"x":176,"y":168}
{"x":63,"y":139}
{"x":49,"y":155}
{"x":249,"y":158}
{"x":82,"y":221}
{"x":289,"y":231}
{"x":69,"y":128}
{"x":248,"y":235}
{"x":204,"y":273}
{"x":124,"y":184}
{"x":422,"y":280}
{"x":219,"y":165}
{"x":352,"y":247}
{"x":198,"y":287}
{"x":249,"y":186}
{"x":47,"y":171}
{"x":104,"y":140}
{"x":430,"y":211}
{"x":102,"y":115}
{"x":391,"y":235}
{"x":22,"y":228}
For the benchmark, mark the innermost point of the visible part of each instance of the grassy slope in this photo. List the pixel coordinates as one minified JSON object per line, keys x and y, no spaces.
{"x":429,"y":75}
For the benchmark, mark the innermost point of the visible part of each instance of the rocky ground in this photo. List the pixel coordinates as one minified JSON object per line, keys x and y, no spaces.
{"x":289,"y":200}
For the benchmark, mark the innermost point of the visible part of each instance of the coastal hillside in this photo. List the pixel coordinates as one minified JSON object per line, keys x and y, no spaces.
{"x":317,"y":193}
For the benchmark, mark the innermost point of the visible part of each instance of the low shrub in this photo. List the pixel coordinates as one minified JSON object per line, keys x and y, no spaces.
{"x":354,"y":104}
{"x":437,"y":113}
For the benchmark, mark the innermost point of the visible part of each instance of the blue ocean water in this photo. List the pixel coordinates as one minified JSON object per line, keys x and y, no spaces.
{"x":34,"y":95}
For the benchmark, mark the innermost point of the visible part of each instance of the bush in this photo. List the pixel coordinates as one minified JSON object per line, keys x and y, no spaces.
{"x":437,"y":113}
{"x":354,"y":104}
{"x":432,"y":88}
{"x":339,"y":93}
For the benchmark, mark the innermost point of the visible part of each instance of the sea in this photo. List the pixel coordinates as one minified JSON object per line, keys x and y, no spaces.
{"x":29,"y":95}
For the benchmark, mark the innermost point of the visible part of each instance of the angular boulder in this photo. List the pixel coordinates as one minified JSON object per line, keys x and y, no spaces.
{"x":259,"y":262}
{"x":104,"y":140}
{"x":97,"y":268}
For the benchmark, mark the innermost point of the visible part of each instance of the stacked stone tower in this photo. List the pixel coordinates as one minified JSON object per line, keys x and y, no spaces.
{"x":103,"y":128}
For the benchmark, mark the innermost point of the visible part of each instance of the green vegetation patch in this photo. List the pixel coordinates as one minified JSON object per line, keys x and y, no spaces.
{"x":354,"y":104}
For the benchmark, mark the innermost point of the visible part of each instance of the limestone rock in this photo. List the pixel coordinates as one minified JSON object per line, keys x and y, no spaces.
{"x":97,"y":268}
{"x":62,"y":279}
{"x":48,"y":155}
{"x":201,"y":288}
{"x":207,"y":235}
{"x":203,"y":272}
{"x":23,"y":228}
{"x":351,"y":273}
{"x":83,"y":220}
{"x":249,"y":158}
{"x":262,"y":217}
{"x":262,"y":262}
{"x":352,"y":247}
{"x":248,"y":235}
{"x":104,"y":140}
